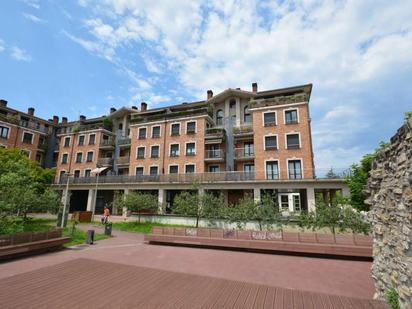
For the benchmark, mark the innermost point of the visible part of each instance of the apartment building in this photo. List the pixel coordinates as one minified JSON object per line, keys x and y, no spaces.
{"x":236,"y":142}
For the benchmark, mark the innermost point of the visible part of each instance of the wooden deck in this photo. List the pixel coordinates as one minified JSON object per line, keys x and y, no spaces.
{"x":85,"y":283}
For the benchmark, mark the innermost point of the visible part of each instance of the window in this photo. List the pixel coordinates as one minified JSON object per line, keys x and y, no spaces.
{"x":79,"y":157}
{"x":65,"y":158}
{"x":219,"y":117}
{"x":140,"y":152}
{"x":174,"y":150}
{"x":249,"y":168}
{"x":190,"y":168}
{"x":247,"y":117}
{"x":62,"y":174}
{"x":87,"y":173}
{"x":291,"y":116}
{"x":155,"y":151}
{"x":214,"y":152}
{"x":24,"y":122}
{"x":142,"y":133}
{"x":66,"y":141}
{"x":139,"y":170}
{"x":295,"y":169}
{"x":76,"y":174}
{"x":42,"y":140}
{"x":292,"y":141}
{"x":214,"y":169}
{"x":38,"y":157}
{"x":154,"y":170}
{"x":175,"y":129}
{"x":248,"y":150}
{"x":27,"y":138}
{"x":173,"y":169}
{"x":81,"y":140}
{"x":271,"y":142}
{"x":4,"y":132}
{"x":90,"y":156}
{"x":191,"y":127}
{"x":190,"y":149}
{"x":272,"y":170}
{"x":284,"y":202}
{"x":156,"y":132}
{"x":269,"y":119}
{"x":92,"y":139}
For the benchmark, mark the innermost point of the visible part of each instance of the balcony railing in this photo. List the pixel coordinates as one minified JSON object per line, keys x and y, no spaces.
{"x":107,"y":143}
{"x":243,"y":129}
{"x":123,"y":160}
{"x":171,"y":178}
{"x":244,"y":153}
{"x":214,"y":154}
{"x":105,"y":161}
{"x":124,"y":141}
{"x":215,"y":133}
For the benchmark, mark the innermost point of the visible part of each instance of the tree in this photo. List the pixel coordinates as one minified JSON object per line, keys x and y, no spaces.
{"x":331,"y":174}
{"x":24,"y":186}
{"x":211,"y":206}
{"x":138,"y":202}
{"x":187,"y":203}
{"x":267,"y":212}
{"x":242,"y":212}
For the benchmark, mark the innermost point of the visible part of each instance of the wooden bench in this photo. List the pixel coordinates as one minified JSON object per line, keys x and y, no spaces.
{"x":30,"y":243}
{"x":359,"y":246}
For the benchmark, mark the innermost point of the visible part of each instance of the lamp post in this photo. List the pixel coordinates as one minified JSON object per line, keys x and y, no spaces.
{"x":95,"y":193}
{"x":66,"y":197}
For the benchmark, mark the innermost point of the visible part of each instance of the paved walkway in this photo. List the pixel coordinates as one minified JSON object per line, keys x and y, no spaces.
{"x":86,"y":283}
{"x":338,"y":277}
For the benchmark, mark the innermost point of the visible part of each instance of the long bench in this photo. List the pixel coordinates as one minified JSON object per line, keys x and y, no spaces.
{"x":15,"y":245}
{"x":347,"y":245}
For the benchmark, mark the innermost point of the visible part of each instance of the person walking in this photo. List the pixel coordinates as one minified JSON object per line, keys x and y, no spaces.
{"x":106,"y":214}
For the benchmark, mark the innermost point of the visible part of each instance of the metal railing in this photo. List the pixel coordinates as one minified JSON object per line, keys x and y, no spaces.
{"x":243,"y":129}
{"x":215,"y":132}
{"x":25,"y":124}
{"x":123,"y":141}
{"x":107,"y":142}
{"x":104,"y":161}
{"x":179,"y":178}
{"x":244,"y":153}
{"x":123,"y":160}
{"x":214,"y":154}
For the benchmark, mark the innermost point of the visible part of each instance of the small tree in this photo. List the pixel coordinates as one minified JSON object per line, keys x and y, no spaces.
{"x":212,"y":206}
{"x":267,"y":212}
{"x":137,"y":202}
{"x":331,"y":174}
{"x":188,"y":204}
{"x":242,"y":212}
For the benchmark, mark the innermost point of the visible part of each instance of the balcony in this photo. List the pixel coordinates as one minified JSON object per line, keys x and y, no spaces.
{"x":123,"y":160}
{"x":107,"y":143}
{"x":215,"y":134}
{"x":124,"y":141}
{"x":244,"y":154}
{"x":169,"y":178}
{"x":26,"y":124}
{"x":105,"y":162}
{"x":243,"y":131}
{"x":215,"y":155}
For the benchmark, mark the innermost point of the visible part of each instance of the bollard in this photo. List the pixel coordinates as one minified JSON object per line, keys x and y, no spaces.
{"x":90,"y":237}
{"x":108,"y":229}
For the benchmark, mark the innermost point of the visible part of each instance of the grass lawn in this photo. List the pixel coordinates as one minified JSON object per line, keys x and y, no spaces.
{"x":143,"y":227}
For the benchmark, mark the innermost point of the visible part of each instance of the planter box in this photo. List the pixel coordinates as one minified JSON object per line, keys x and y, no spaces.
{"x":82,"y":216}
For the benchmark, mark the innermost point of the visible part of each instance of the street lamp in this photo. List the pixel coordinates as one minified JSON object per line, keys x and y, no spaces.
{"x":97,"y":171}
{"x":66,"y":197}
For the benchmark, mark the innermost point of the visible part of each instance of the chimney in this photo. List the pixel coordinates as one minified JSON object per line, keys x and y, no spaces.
{"x":56,"y":120}
{"x":254,"y":87}
{"x":238,"y":88}
{"x":143,"y":106}
{"x":3,"y":103}
{"x":30,"y":111}
{"x":112,"y":110}
{"x":82,"y":118}
{"x":209,"y":94}
{"x":134,"y":107}
{"x":64,"y":119}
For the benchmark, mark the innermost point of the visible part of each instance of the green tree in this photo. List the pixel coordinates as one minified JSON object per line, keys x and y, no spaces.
{"x":24,"y":186}
{"x":241,"y":213}
{"x":187,"y":203}
{"x":211,"y":206}
{"x":331,"y":174}
{"x":267,"y":212}
{"x":138,"y":202}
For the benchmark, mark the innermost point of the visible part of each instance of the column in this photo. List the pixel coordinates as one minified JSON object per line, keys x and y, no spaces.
{"x":162,"y":201}
{"x":310,"y":195}
{"x":90,"y":199}
{"x":227,"y":113}
{"x":237,"y":112}
{"x":125,"y":212}
{"x":256,"y":195}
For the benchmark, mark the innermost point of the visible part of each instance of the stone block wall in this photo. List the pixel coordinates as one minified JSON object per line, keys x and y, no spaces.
{"x":389,"y":193}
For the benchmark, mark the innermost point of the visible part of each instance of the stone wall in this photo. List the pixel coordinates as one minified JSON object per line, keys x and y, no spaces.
{"x":389,"y":192}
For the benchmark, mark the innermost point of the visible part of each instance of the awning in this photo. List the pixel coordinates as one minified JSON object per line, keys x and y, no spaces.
{"x":99,"y":170}
{"x":213,"y":141}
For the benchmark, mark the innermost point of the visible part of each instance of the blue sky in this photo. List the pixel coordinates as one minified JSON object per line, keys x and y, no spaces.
{"x":81,"y":57}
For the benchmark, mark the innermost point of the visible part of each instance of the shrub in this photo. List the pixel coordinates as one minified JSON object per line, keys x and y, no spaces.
{"x":392,"y":298}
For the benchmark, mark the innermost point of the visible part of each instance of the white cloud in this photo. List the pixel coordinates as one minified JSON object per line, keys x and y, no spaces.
{"x":2,"y":45}
{"x":33,"y":18}
{"x":20,"y":54}
{"x":32,"y":3}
